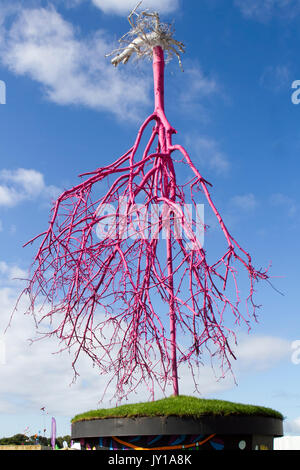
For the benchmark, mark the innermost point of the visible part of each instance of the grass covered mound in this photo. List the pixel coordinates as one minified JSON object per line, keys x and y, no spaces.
{"x":179,"y":406}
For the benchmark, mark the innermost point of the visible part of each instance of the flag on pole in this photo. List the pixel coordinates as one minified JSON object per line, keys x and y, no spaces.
{"x":53,"y":433}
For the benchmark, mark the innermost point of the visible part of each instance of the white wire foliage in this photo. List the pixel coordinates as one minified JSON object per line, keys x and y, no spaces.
{"x":146,"y":32}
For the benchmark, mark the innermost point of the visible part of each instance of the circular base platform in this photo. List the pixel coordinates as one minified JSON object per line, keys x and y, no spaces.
{"x":178,"y":433}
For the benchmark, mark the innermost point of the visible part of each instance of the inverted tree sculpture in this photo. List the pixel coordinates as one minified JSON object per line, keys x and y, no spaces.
{"x":108,"y":290}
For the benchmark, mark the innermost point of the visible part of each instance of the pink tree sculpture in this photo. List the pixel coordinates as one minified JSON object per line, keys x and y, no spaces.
{"x":119,"y":294}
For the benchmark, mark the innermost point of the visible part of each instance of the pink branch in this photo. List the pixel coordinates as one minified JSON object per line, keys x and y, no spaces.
{"x":109,"y":297}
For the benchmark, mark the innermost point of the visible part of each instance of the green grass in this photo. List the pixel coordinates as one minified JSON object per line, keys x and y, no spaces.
{"x":179,"y":406}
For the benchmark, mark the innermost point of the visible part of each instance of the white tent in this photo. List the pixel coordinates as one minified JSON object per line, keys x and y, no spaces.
{"x":287,"y":443}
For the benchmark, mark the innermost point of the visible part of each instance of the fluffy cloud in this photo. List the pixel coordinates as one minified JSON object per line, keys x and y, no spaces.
{"x":125,"y":6}
{"x":263,"y":10}
{"x":276,"y":78}
{"x":284,"y":202}
{"x":208,"y":153}
{"x":72,"y":70}
{"x":293,"y":427}
{"x":32,"y":373}
{"x":23,"y":184}
{"x":261,"y":352}
{"x":11,"y":272}
{"x":196,"y":85}
{"x":245,"y":201}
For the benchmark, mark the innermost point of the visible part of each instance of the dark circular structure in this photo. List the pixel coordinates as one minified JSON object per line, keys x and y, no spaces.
{"x":209,"y":432}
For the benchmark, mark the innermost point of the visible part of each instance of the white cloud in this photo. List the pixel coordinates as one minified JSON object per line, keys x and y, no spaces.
{"x":12,"y":229}
{"x":23,"y":184}
{"x":7,"y":197}
{"x":245,"y":201}
{"x":293,"y":426}
{"x":122,"y":7}
{"x":33,"y":373}
{"x":254,"y":354}
{"x":285,"y":202}
{"x":11,"y":272}
{"x":194,"y":90}
{"x":197,"y":85}
{"x":3,"y":267}
{"x":263,"y":10}
{"x":31,"y":181}
{"x":276,"y":78}
{"x":72,"y":70}
{"x":261,"y":352}
{"x":207,"y":152}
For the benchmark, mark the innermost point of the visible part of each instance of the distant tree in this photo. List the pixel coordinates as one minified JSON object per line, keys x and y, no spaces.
{"x":22,"y":439}
{"x":17,"y":439}
{"x":59,"y":441}
{"x":44,"y":441}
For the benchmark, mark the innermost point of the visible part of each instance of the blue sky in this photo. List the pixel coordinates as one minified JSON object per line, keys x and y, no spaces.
{"x":232,"y":108}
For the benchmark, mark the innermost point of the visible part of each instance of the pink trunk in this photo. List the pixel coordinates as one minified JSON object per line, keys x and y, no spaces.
{"x":172,"y":319}
{"x":158,"y":73}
